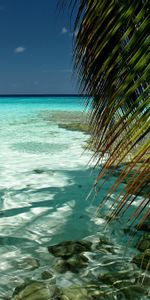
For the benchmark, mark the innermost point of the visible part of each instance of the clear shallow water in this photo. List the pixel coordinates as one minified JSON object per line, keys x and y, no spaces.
{"x":44,"y":182}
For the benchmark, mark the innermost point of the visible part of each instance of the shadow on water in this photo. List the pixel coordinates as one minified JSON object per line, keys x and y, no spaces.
{"x":68,"y":204}
{"x":65,"y":214}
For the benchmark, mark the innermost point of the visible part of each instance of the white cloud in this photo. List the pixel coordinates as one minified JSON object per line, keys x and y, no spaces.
{"x":64,"y":30}
{"x":20,"y":49}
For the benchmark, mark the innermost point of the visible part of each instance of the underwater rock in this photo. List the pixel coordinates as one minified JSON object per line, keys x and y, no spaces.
{"x":88,"y":292}
{"x":61,"y":266}
{"x":112,"y":278}
{"x":104,"y":241}
{"x":70,"y":248}
{"x":105,"y":246}
{"x":74,"y":292}
{"x":144,"y":243}
{"x":28,"y":263}
{"x":35,"y":291}
{"x":72,"y":264}
{"x":128,"y":230}
{"x":77,"y":261}
{"x":105,"y":249}
{"x":142,"y":260}
{"x":46,"y":275}
{"x":145,"y":226}
{"x":76,"y":126}
{"x":125,"y":285}
{"x":38,"y":171}
{"x":122,"y":283}
{"x":94,"y":292}
{"x":132,"y":292}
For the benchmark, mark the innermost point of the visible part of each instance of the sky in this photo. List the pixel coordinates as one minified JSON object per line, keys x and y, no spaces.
{"x":36,"y":48}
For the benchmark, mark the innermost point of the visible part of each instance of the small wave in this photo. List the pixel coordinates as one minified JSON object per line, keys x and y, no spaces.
{"x":36,"y":147}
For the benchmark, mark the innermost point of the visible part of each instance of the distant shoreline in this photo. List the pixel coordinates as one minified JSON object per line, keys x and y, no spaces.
{"x":43,"y":95}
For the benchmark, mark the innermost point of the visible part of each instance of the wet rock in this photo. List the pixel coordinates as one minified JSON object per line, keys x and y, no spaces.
{"x":128,"y":230}
{"x":106,"y":278}
{"x":38,"y":171}
{"x":112,"y":278}
{"x":72,"y":264}
{"x":88,"y":292}
{"x":144,"y":243}
{"x":105,"y":249}
{"x":144,"y":279}
{"x":132,"y":292}
{"x":28,"y":263}
{"x":61,"y":266}
{"x":105,"y":246}
{"x":77,"y":262}
{"x":142,"y":260}
{"x":104,"y":241}
{"x":145,"y":226}
{"x":70,"y":248}
{"x":122,"y":283}
{"x":94,"y":292}
{"x":46,"y":275}
{"x":76,"y":126}
{"x":35,"y":291}
{"x":74,"y":292}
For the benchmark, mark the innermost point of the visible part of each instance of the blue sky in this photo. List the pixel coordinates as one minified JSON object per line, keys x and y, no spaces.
{"x":36,"y":48}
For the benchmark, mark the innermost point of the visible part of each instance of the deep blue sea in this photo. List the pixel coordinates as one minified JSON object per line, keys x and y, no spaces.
{"x":45,"y":179}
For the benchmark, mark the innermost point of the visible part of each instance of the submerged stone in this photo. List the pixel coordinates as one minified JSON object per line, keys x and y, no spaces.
{"x":113,"y":278}
{"x":94,"y":292}
{"x":72,"y":264}
{"x":28,"y":263}
{"x":35,"y":291}
{"x":70,"y":248}
{"x":105,"y":246}
{"x":38,"y":171}
{"x":132,"y":292}
{"x":76,"y":126}
{"x":61,"y":266}
{"x":75,"y":292}
{"x":122,"y":283}
{"x":144,"y":243}
{"x":46,"y":275}
{"x":142,"y":260}
{"x":145,"y":226}
{"x":88,"y":292}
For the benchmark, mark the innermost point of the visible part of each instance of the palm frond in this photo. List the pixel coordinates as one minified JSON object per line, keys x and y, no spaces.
{"x":111,"y":58}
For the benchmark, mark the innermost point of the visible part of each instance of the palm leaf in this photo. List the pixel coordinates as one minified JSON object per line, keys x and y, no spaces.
{"x":111,"y":57}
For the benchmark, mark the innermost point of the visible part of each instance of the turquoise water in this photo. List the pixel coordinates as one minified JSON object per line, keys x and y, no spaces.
{"x":28,"y":105}
{"x":44,"y":182}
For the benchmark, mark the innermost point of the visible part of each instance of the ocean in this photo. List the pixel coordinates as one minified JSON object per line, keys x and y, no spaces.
{"x":45,"y":178}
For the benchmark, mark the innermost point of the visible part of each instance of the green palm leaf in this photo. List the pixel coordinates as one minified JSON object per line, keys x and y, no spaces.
{"x":112,"y":60}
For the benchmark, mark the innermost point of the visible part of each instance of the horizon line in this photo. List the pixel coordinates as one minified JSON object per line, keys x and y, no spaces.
{"x":43,"y":95}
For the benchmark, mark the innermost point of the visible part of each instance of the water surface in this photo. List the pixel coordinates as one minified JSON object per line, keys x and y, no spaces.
{"x":44,"y":182}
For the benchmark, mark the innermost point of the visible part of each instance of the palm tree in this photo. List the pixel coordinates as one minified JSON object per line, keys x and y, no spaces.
{"x":111,"y":57}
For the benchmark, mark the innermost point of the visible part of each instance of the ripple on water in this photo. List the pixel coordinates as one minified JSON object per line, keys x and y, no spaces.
{"x":43,"y":203}
{"x":39,"y":147}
